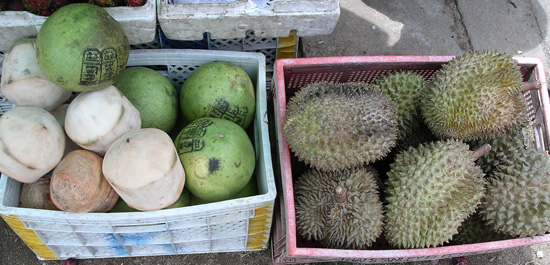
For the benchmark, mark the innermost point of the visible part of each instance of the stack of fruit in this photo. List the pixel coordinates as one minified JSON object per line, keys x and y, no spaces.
{"x":89,"y":134}
{"x":455,"y":154}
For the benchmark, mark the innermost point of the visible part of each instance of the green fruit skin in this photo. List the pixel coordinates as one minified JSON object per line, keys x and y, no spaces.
{"x":152,"y":94}
{"x":183,"y":200}
{"x":217,"y":156}
{"x":80,"y":47}
{"x":219,"y":90}
{"x":250,"y":189}
{"x":122,"y":207}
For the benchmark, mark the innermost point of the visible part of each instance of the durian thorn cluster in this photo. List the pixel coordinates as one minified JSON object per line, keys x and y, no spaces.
{"x":333,"y":126}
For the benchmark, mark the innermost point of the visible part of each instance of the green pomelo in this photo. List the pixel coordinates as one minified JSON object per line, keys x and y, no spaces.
{"x":80,"y":47}
{"x":180,"y":124}
{"x":219,"y":90}
{"x":122,"y":207}
{"x":183,"y":200}
{"x":250,"y":189}
{"x":152,"y":94}
{"x":218,"y":158}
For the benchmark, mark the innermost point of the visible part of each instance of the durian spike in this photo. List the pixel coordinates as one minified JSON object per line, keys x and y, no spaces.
{"x":530,"y":85}
{"x":481,"y":151}
{"x":340,"y":194}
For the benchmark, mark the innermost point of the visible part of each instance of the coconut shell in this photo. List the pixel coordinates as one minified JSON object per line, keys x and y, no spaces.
{"x":78,"y":184}
{"x":95,"y":119}
{"x":144,"y":168}
{"x":36,"y":91}
{"x":23,"y":82}
{"x":59,"y":113}
{"x":31,"y":143}
{"x":36,"y":195}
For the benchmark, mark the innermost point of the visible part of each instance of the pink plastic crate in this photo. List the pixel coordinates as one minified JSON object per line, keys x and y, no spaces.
{"x":292,"y":74}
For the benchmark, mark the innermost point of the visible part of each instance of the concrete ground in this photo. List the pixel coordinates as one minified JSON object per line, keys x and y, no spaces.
{"x":391,"y":27}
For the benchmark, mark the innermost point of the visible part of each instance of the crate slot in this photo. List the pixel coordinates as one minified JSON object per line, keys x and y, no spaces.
{"x":193,"y":247}
{"x":190,"y":234}
{"x":59,"y":238}
{"x":144,"y":238}
{"x":229,"y":230}
{"x":229,"y":244}
{"x":148,"y":250}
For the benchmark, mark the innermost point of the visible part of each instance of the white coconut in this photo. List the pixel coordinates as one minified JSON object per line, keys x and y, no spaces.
{"x":37,"y":92}
{"x":59,"y":113}
{"x":144,"y":168}
{"x":23,"y":83}
{"x":96,"y":119}
{"x":20,"y":63}
{"x":31,"y":143}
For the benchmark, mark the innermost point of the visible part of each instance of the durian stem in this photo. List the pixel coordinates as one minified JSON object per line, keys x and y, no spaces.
{"x":530,"y":85}
{"x":340,"y":194}
{"x":481,"y":151}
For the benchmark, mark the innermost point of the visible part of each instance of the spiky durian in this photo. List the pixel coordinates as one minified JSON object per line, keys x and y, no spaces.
{"x":340,"y":209}
{"x":430,"y":191}
{"x":404,"y":89}
{"x":475,"y":230}
{"x":518,"y":195}
{"x":513,"y":140}
{"x":420,"y":133}
{"x":334,"y":126}
{"x":476,"y":95}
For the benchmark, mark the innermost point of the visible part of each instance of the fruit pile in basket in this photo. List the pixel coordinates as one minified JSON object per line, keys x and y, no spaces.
{"x":419,"y":163}
{"x":47,"y":7}
{"x":89,"y":134}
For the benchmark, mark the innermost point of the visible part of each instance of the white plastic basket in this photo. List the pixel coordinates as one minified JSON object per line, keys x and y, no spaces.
{"x":138,"y":22}
{"x":242,"y":224}
{"x":189,"y":19}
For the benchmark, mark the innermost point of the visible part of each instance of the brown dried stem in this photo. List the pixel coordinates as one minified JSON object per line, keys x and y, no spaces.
{"x":530,"y":85}
{"x":481,"y":151}
{"x":340,"y":194}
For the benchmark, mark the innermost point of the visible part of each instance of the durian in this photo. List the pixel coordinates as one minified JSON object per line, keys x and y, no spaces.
{"x":475,"y":230}
{"x":518,"y":195}
{"x":430,"y":191}
{"x":340,"y":209}
{"x":404,"y":89}
{"x":419,"y":133}
{"x":476,"y":95}
{"x":513,"y":140}
{"x":332,"y":126}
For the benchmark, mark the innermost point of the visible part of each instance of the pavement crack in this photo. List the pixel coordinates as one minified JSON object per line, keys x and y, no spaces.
{"x":463,"y":40}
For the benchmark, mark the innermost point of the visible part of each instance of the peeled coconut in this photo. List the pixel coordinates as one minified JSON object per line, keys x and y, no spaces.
{"x":31,"y":143}
{"x":95,"y":119}
{"x":23,"y":83}
{"x":36,"y":195}
{"x":59,"y":113}
{"x":78,"y":184}
{"x":144,"y":168}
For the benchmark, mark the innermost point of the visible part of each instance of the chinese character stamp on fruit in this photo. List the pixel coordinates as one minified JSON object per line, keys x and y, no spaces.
{"x":98,"y":66}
